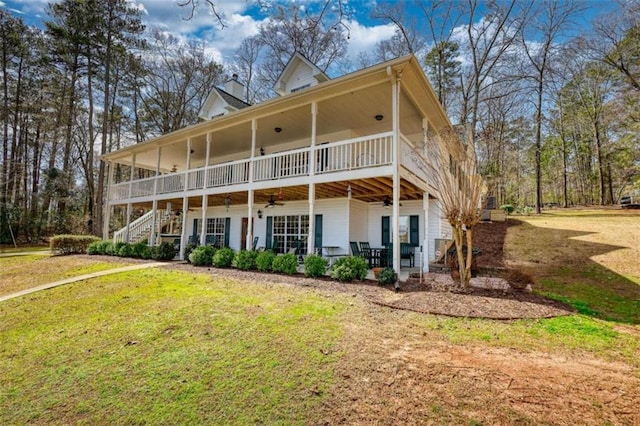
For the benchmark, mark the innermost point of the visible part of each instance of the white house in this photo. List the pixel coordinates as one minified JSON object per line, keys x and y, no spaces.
{"x":326,"y":163}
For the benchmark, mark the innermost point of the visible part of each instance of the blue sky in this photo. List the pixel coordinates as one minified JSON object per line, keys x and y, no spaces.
{"x":242,"y":18}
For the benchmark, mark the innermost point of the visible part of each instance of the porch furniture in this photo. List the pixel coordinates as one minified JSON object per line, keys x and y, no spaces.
{"x":407,"y":251}
{"x":355,"y":249}
{"x":211,"y":240}
{"x":331,"y":253}
{"x":194,"y":239}
{"x":255,"y":243}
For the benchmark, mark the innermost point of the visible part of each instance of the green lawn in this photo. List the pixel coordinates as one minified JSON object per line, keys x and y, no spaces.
{"x":166,"y":347}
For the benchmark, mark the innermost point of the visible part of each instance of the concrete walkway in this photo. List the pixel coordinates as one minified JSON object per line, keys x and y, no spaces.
{"x":26,"y":253}
{"x":80,"y":278}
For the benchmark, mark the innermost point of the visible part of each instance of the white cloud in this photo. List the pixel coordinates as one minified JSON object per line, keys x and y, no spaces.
{"x":363,"y":38}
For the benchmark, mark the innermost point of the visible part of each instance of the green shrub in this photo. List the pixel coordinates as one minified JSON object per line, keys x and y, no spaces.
{"x":508,"y":208}
{"x":95,"y":248}
{"x":187,"y":251}
{"x":202,"y":256}
{"x":387,"y":276}
{"x":116,"y":248}
{"x":147,"y":253}
{"x":245,"y":260}
{"x":110,"y":248}
{"x":286,"y":264}
{"x":223,"y":258}
{"x":71,"y":244}
{"x":165,"y":251}
{"x":138,"y":249}
{"x":264,"y":261}
{"x":125,"y":250}
{"x":314,"y":265}
{"x":349,"y":268}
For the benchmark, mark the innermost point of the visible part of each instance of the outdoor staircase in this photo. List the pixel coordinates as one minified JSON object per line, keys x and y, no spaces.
{"x":141,"y":228}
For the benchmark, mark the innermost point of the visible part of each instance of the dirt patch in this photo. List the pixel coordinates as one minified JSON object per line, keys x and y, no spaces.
{"x":412,"y":376}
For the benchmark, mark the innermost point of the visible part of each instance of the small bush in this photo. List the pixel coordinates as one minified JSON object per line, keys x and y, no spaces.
{"x":223,"y":258}
{"x":110,"y":249}
{"x":245,"y":260}
{"x":95,"y":248}
{"x":125,"y":250}
{"x":508,"y":208}
{"x":286,"y":264}
{"x":71,"y":244}
{"x":165,"y":251}
{"x":138,"y":249}
{"x":116,"y":248}
{"x":187,"y":251}
{"x":387,"y":276}
{"x":314,"y":266}
{"x":264,"y":261}
{"x":147,"y":253}
{"x":349,"y":268}
{"x":202,"y":256}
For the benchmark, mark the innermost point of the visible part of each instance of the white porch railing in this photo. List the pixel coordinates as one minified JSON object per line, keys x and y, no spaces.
{"x":140,"y":228}
{"x":351,"y":154}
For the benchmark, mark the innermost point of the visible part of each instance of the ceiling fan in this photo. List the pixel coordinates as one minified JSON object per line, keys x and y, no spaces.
{"x":387,"y":202}
{"x":272,"y":203}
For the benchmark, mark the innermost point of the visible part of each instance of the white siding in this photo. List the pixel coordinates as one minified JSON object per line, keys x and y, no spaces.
{"x":358,"y":221}
{"x":301,"y":76}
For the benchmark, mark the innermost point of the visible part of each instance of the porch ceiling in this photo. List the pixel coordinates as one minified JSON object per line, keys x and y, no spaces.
{"x":367,"y":190}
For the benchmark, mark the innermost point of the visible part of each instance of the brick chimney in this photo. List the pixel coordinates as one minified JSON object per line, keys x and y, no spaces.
{"x":234,"y":87}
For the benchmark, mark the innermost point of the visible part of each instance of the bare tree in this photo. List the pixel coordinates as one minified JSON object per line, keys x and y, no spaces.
{"x":551,"y":20}
{"x":451,"y":165}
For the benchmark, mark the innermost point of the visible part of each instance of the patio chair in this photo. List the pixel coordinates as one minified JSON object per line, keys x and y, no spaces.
{"x":255,"y":243}
{"x":211,"y":240}
{"x":194,"y":239}
{"x":355,"y":250}
{"x":407,"y":251}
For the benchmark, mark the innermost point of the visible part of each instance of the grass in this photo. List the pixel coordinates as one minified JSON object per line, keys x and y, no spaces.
{"x":5,"y":248}
{"x":159,"y":346}
{"x":22,"y":272}
{"x":586,"y":258}
{"x":166,"y":347}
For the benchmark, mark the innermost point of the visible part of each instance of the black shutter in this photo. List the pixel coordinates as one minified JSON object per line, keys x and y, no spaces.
{"x":194,"y":236}
{"x":318,"y":233}
{"x":386,"y":234}
{"x":414,"y":230}
{"x":269,"y":232}
{"x":227,"y":226}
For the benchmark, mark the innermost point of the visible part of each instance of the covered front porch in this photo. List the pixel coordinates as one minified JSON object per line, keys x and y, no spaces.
{"x":323,"y":218}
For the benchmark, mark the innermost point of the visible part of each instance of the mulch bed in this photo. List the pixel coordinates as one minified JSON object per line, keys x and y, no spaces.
{"x":437,"y":293}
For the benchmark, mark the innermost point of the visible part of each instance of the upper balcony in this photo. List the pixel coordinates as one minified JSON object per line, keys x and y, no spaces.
{"x":360,"y":157}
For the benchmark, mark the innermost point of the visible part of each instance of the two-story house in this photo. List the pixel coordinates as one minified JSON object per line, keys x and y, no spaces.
{"x":326,"y":163}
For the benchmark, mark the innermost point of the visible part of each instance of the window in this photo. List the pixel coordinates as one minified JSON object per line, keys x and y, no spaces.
{"x":214,"y":230}
{"x":290,"y":232}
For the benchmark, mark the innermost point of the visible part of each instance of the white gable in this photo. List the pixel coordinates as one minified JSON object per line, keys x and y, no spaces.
{"x":298,"y":74}
{"x":214,"y":106}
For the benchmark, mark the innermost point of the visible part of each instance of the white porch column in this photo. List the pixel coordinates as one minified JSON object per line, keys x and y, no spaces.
{"x":311,"y":238}
{"x":107,"y":209}
{"x":205,"y":206}
{"x":250,"y":193}
{"x":183,"y":235}
{"x":154,"y":220}
{"x":249,"y":237}
{"x":185,"y":203}
{"x":131,"y":175}
{"x":395,"y":223}
{"x":425,"y":242}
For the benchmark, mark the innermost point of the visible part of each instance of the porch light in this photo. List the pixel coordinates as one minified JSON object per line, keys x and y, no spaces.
{"x":388,"y":203}
{"x":261,"y":150}
{"x":227,"y":202}
{"x":379,"y":117}
{"x":259,"y":214}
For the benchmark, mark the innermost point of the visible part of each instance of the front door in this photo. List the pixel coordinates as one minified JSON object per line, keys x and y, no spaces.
{"x":243,"y":229}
